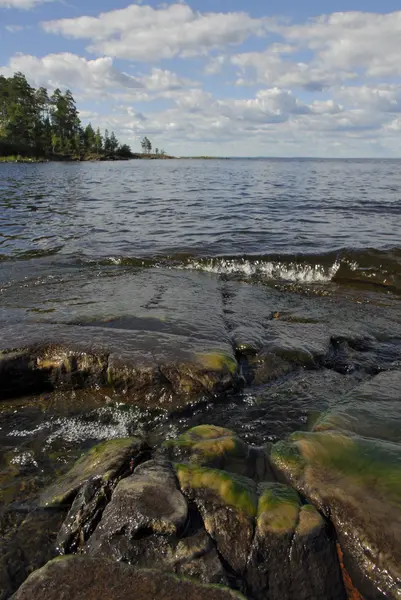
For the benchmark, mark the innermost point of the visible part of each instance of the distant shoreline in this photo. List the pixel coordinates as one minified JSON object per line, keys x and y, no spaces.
{"x":138,"y":156}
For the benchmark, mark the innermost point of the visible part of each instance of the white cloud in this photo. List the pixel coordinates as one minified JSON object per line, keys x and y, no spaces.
{"x":352,"y":40}
{"x":382,"y":98}
{"x":342,"y":47}
{"x":164,"y":80}
{"x":146,"y":33}
{"x":72,"y":71}
{"x":270,"y":68}
{"x":22,"y":4}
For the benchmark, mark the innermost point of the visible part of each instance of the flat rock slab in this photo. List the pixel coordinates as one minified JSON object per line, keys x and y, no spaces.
{"x":143,"y":364}
{"x":84,"y":578}
{"x":105,"y":461}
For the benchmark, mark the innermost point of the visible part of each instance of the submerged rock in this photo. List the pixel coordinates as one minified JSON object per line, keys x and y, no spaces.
{"x":106,"y":461}
{"x":356,"y":482}
{"x":85,"y":578}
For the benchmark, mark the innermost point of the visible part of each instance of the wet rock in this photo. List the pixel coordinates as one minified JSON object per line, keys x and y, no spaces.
{"x":151,"y":368}
{"x":27,"y":543}
{"x":84,"y":515}
{"x":106,"y":461}
{"x":356,"y":482}
{"x":264,"y":367}
{"x":195,"y":556}
{"x":305,"y":344}
{"x":292,"y":557}
{"x":227,"y":504}
{"x":220,"y":448}
{"x":372,"y":409}
{"x":84,"y":578}
{"x":145,"y":511}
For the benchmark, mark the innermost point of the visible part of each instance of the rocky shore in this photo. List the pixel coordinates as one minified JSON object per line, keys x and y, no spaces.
{"x":202,"y":510}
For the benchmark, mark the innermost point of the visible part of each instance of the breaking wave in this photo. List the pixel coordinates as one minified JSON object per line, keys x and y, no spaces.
{"x":380,"y":268}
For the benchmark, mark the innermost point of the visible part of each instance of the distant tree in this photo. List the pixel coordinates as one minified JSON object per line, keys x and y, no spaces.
{"x":146,"y":146}
{"x":156,"y":151}
{"x":163,"y":152}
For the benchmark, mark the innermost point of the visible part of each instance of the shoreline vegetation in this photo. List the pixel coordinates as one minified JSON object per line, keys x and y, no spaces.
{"x":38,"y":127}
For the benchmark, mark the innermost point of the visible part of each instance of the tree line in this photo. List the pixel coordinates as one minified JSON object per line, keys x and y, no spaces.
{"x":34,"y":124}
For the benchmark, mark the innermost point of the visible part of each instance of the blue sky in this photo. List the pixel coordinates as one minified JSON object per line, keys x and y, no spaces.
{"x":232,"y":78}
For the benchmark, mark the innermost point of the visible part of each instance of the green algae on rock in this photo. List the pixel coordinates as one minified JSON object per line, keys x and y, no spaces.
{"x":107,"y":460}
{"x":278,"y":508}
{"x":85,"y":578}
{"x":227,"y":488}
{"x":227,"y":504}
{"x":220,"y":448}
{"x":292,"y":557}
{"x":356,"y":482}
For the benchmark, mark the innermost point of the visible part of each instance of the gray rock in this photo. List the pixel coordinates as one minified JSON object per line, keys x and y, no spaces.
{"x":85,"y":578}
{"x":145,"y":511}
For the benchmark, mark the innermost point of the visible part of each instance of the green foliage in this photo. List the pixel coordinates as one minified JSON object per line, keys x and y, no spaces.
{"x":34,"y":125}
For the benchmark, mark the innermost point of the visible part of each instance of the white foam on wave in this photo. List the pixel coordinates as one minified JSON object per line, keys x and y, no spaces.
{"x":276,"y":270}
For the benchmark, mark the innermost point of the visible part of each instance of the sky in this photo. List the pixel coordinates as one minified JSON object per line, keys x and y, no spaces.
{"x":222,"y":77}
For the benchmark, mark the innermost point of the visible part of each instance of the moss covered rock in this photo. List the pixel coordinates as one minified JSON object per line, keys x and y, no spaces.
{"x":220,"y":448}
{"x":357,"y":483}
{"x":227,"y":504}
{"x":107,"y":460}
{"x":84,"y":578}
{"x":292,"y":557}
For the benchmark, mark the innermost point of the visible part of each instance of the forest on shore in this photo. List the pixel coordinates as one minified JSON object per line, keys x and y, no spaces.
{"x":38,"y":126}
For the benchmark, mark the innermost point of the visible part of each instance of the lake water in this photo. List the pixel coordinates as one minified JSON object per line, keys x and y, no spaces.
{"x":302,"y":257}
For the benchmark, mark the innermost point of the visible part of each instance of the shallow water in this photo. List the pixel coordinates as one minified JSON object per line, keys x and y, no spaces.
{"x":304,"y":252}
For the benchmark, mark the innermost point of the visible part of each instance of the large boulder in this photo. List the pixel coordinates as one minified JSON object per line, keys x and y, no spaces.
{"x":148,"y":523}
{"x":145,"y":510}
{"x":85,"y":578}
{"x":356,"y":482}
